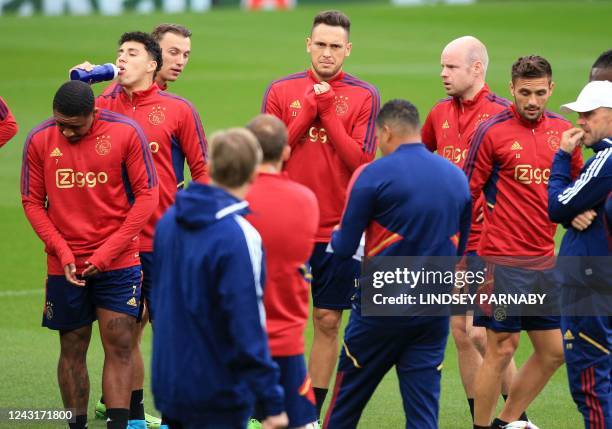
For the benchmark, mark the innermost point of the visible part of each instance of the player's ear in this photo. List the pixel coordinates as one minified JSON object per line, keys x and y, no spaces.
{"x":152,"y":66}
{"x":308,"y":44}
{"x":286,"y":153}
{"x":349,"y":46}
{"x":511,"y":88}
{"x":551,"y":87}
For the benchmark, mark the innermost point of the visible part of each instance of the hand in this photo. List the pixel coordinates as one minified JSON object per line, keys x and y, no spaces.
{"x":570,"y":139}
{"x":584,"y":220}
{"x":91,"y":270}
{"x":70,"y":274}
{"x":321,"y":88}
{"x":279,"y":421}
{"x":87,"y":66}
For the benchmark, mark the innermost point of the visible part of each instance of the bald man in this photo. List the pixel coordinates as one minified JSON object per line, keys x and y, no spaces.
{"x":449,"y":129}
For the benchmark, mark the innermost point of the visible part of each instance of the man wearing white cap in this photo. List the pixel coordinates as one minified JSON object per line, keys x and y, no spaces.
{"x":587,"y":340}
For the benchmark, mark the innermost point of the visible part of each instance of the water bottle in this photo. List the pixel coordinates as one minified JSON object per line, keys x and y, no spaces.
{"x":100,"y":73}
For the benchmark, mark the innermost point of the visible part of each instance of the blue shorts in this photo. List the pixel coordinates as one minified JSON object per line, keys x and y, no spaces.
{"x":69,"y":307}
{"x":371,"y":350}
{"x":333,"y":279}
{"x":299,"y":396}
{"x":518,"y":280}
{"x":146,"y":261}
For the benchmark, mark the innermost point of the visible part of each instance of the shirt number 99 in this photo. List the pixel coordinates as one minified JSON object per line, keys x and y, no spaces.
{"x":317,"y":134}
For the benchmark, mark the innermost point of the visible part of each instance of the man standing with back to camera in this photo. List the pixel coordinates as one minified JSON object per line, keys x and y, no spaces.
{"x":449,"y":129}
{"x":330,"y":116}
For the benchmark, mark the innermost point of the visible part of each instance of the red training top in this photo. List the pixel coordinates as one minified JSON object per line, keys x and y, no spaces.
{"x":330,"y":135}
{"x":509,"y":161}
{"x":287,"y":216}
{"x":8,"y":126}
{"x":89,"y":200}
{"x":449,"y":129}
{"x":174,"y":132}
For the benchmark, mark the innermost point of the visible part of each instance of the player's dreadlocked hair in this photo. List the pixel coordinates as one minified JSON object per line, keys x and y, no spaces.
{"x":333,"y":18}
{"x":530,"y":67}
{"x":74,"y":98}
{"x":151,"y":46}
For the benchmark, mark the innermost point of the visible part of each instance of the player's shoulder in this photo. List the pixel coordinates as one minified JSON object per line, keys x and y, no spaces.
{"x":176,"y":101}
{"x":494,"y":122}
{"x":120,"y":122}
{"x":557,"y":119}
{"x":497,"y":101}
{"x":40,"y":130}
{"x":289,"y":80}
{"x":367,"y":87}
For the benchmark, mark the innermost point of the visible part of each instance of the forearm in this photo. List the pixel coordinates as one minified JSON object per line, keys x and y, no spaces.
{"x":46,"y":230}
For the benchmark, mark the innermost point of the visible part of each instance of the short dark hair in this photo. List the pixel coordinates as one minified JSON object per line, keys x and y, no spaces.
{"x":271,"y":133}
{"x":604,"y":61}
{"x":161,"y":29}
{"x":531,"y":67}
{"x":334,"y":18}
{"x":150,"y":44}
{"x":233,"y":157}
{"x":74,"y":98}
{"x":399,"y":112}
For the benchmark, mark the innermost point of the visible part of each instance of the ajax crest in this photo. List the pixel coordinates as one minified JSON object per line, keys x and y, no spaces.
{"x":157,"y":115}
{"x":342,"y":106}
{"x":103,"y":145}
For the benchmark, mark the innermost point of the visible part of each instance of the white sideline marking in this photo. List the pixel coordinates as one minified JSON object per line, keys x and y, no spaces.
{"x":26,"y":292}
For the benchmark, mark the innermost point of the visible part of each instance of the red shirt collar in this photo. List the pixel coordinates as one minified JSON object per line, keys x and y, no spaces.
{"x":528,"y":124}
{"x":144,"y":94}
{"x":484,"y":91}
{"x":314,"y":78}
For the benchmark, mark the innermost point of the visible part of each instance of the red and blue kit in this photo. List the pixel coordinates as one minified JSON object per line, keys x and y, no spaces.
{"x":449,"y":129}
{"x":509,"y":161}
{"x":8,"y":125}
{"x":174,"y":132}
{"x":330,"y":135}
{"x":286,"y":216}
{"x":89,"y":200}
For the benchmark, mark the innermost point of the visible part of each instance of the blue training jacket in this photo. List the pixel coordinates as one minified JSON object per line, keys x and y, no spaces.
{"x":410,"y":203}
{"x":211,"y":360}
{"x":567,"y":199}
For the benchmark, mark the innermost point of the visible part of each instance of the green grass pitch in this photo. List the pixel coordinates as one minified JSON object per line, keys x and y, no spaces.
{"x":235,"y":55}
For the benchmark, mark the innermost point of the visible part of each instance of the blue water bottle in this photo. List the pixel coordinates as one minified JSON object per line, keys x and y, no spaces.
{"x":100,"y":73}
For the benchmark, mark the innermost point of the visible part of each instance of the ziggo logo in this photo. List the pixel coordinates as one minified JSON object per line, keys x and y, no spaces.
{"x":68,"y":178}
{"x":527,"y":175}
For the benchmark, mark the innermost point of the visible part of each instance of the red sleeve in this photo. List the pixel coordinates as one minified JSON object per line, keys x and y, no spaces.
{"x":479,"y":163}
{"x":358,"y":147}
{"x":428,"y":134}
{"x":306,"y":116}
{"x":34,"y":198}
{"x":8,"y":126}
{"x":193,"y":143}
{"x":143,"y":180}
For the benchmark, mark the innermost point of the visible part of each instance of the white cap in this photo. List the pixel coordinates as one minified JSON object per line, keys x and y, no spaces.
{"x":594,"y":95}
